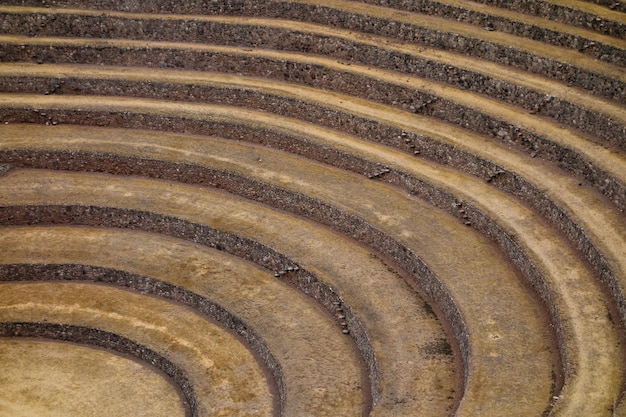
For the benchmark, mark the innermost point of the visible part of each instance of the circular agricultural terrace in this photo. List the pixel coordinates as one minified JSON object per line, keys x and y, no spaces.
{"x":312,"y":208}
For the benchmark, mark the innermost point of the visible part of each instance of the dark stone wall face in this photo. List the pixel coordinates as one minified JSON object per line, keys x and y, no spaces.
{"x":197,"y":31}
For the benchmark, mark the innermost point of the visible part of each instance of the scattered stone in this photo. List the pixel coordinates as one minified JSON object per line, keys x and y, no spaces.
{"x":4,"y":168}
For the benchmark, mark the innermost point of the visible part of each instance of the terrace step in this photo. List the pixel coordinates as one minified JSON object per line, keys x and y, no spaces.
{"x":317,"y":366}
{"x":187,"y":157}
{"x":601,"y":15}
{"x":600,"y":119}
{"x":319,"y":254}
{"x":30,"y":78}
{"x":536,"y":26}
{"x":607,"y":227}
{"x":207,"y":355}
{"x":601,"y":166}
{"x":605,"y":168}
{"x":405,"y":358}
{"x":378,"y":20}
{"x":581,"y":204}
{"x":462,"y":17}
{"x":300,"y":35}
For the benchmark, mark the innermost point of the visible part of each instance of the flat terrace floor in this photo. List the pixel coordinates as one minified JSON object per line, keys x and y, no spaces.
{"x":46,"y":378}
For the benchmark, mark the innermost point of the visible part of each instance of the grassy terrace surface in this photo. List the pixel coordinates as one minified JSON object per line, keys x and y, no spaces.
{"x":381,"y":208}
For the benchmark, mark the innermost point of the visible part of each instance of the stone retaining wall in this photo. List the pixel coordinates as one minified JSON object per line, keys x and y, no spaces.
{"x":556,"y":12}
{"x":338,"y":220}
{"x":566,"y":14}
{"x":590,"y":122}
{"x":406,"y":98}
{"x":422,"y":146}
{"x":266,"y":257}
{"x":543,"y":9}
{"x":188,"y":30}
